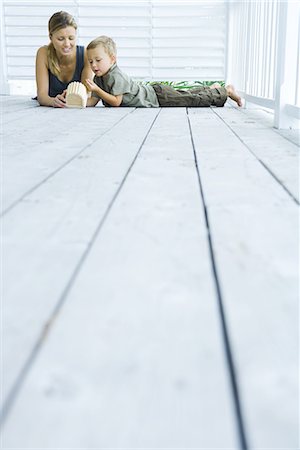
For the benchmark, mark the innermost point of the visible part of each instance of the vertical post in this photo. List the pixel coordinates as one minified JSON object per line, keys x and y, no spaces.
{"x":286,"y":60}
{"x":279,"y":119}
{"x":4,"y":86}
{"x":226,"y":55}
{"x":297,"y":81}
{"x":151,"y":6}
{"x":247,"y":14}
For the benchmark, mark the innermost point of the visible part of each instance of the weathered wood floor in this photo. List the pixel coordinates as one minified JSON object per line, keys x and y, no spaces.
{"x":150,"y":279}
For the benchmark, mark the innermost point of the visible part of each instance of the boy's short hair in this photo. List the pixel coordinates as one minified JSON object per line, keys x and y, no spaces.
{"x":106,"y":42}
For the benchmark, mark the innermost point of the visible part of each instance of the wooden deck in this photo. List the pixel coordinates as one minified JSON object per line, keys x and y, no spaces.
{"x":150,"y":279}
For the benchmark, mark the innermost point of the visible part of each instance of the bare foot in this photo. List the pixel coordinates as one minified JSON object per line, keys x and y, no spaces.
{"x":231,"y":92}
{"x":215,"y":85}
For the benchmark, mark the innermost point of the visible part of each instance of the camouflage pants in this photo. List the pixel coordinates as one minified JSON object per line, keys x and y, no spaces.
{"x":197,"y":97}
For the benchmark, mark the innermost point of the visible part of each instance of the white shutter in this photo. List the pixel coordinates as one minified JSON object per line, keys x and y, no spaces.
{"x":128,"y":23}
{"x":188,"y":40}
{"x":26,"y":29}
{"x":158,"y":40}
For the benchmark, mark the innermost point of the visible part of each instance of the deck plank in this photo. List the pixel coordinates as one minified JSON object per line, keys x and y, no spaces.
{"x":31,"y":157}
{"x":7,"y":101}
{"x":124,"y":330}
{"x":254,"y":226}
{"x":278,"y":154}
{"x":23,"y":117}
{"x":46,"y":235}
{"x":13,"y":108}
{"x":137,"y":346}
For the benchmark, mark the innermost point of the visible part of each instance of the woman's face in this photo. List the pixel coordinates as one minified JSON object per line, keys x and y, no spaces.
{"x":64,"y":41}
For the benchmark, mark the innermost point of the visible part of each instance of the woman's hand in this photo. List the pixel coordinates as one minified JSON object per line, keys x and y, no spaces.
{"x":60,"y":100}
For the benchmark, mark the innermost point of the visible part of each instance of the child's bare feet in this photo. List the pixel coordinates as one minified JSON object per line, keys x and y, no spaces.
{"x":231,"y":92}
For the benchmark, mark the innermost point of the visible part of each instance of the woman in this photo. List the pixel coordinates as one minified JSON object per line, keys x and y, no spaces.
{"x":60,"y":62}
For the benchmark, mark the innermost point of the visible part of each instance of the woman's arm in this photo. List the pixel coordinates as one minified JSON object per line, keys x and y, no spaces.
{"x":87,"y":72}
{"x":92,"y":101}
{"x":112,"y":100}
{"x":42,"y":81}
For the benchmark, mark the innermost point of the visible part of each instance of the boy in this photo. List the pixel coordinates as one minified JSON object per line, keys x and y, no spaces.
{"x":115,"y":88}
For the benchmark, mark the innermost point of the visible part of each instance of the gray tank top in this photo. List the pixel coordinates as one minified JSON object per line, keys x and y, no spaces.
{"x":56,"y":86}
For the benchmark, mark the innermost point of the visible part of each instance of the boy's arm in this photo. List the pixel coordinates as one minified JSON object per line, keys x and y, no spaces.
{"x":112,"y":100}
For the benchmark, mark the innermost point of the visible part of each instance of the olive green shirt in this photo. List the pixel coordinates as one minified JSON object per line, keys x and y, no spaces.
{"x":116,"y":82}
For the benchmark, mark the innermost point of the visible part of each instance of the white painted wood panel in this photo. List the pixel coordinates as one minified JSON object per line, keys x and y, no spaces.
{"x":171,"y":62}
{"x":98,"y":21}
{"x":116,"y":32}
{"x":38,"y":8}
{"x":281,"y":157}
{"x":187,"y":22}
{"x":24,"y":31}
{"x":121,"y":9}
{"x":149,"y":26}
{"x":10,"y":105}
{"x":254,"y":226}
{"x":190,"y":33}
{"x":58,"y":221}
{"x":154,"y":229}
{"x":188,"y":73}
{"x":137,"y":346}
{"x":201,"y":52}
{"x":200,"y":9}
{"x":25,"y":166}
{"x":186,"y":42}
{"x":22,"y":108}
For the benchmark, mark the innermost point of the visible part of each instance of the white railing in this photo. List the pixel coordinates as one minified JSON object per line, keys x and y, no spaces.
{"x":264,"y":56}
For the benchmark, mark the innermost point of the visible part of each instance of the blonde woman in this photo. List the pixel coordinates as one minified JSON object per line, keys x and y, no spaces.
{"x":60,"y":62}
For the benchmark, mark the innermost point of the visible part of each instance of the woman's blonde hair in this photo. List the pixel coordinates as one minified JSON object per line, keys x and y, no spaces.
{"x":107,"y":43}
{"x":58,"y":20}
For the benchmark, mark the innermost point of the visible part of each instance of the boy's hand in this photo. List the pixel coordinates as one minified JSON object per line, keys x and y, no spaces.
{"x":91,"y":86}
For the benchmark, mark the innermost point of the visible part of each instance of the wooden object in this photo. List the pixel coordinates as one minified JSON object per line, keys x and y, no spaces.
{"x":76,"y":95}
{"x":153,"y":345}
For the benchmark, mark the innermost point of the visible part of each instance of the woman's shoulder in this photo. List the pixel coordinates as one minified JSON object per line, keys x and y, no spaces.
{"x":43,"y":50}
{"x":42,"y":54}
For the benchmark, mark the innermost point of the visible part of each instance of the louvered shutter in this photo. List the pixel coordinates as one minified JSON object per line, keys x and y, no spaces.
{"x":156,"y":40}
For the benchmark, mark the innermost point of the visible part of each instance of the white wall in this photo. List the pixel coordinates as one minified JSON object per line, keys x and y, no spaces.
{"x":4,"y":87}
{"x":157,"y":40}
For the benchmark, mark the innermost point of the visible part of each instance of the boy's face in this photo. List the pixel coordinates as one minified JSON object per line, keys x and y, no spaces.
{"x":100,"y":61}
